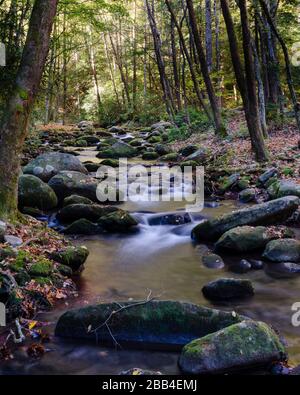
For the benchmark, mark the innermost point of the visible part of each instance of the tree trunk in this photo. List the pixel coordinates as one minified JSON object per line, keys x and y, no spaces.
{"x":208,"y":35}
{"x":19,"y":106}
{"x":220,"y":129}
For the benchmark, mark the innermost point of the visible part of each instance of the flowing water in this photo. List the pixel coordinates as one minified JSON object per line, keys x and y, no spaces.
{"x":163,"y":259}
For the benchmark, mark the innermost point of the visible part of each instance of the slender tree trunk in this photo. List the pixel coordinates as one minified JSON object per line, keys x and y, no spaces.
{"x":251,"y":110}
{"x":289,"y":77}
{"x":257,"y":139}
{"x":208,"y":35}
{"x":19,"y":106}
{"x":175,"y":66}
{"x":220,"y":129}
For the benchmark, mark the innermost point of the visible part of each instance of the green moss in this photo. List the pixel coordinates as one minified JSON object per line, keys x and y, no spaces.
{"x":23,"y":258}
{"x":23,"y":93}
{"x":43,"y":281}
{"x":42,"y":268}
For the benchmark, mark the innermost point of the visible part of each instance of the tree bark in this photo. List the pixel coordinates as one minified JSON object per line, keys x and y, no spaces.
{"x":19,"y":106}
{"x":220,"y":129}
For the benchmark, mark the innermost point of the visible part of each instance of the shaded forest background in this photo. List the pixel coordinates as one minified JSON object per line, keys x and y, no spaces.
{"x":116,"y":61}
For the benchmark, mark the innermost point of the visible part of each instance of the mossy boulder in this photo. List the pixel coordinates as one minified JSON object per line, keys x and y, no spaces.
{"x":246,"y":238}
{"x":83,"y":227}
{"x":42,"y":268}
{"x":65,"y":270}
{"x":154,"y":325}
{"x":110,"y":163}
{"x":33,"y":192}
{"x":81,"y":143}
{"x":288,"y":188}
{"x":136,"y":142}
{"x":173,"y":157}
{"x":7,"y":285}
{"x":200,"y":156}
{"x":246,"y":345}
{"x":68,"y":183}
{"x":23,"y":258}
{"x":188,"y":163}
{"x":155,"y":139}
{"x":73,"y":257}
{"x":150,"y":156}
{"x":228,"y":182}
{"x":76,"y":199}
{"x":247,"y":195}
{"x":118,"y":150}
{"x":285,"y":250}
{"x":92,"y":167}
{"x":188,"y":150}
{"x":48,"y":165}
{"x":7,"y":252}
{"x":268,"y":213}
{"x":162,"y":149}
{"x":228,"y":289}
{"x":22,"y":278}
{"x":91,"y":212}
{"x":119,"y":221}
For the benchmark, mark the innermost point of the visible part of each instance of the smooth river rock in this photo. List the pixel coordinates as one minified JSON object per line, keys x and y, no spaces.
{"x":245,"y":345}
{"x":228,"y":289}
{"x":268,"y":213}
{"x":285,"y":250}
{"x":153,"y":324}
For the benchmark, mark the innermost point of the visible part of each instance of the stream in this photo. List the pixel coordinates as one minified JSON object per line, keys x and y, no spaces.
{"x":163,"y":259}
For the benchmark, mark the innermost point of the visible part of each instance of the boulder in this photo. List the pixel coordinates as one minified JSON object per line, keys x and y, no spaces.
{"x":246,"y":238}
{"x":200,"y":156}
{"x":228,"y":182}
{"x":153,"y":324}
{"x":188,"y":150}
{"x":282,"y":270}
{"x":246,"y":345}
{"x":162,"y":149}
{"x":267,"y":175}
{"x":284,"y":250}
{"x":68,"y":183}
{"x":150,"y":156}
{"x":42,"y":268}
{"x":48,"y":165}
{"x":119,"y":221}
{"x":117,"y":151}
{"x":247,"y":195}
{"x":33,"y":192}
{"x":91,"y":212}
{"x":242,"y":267}
{"x":169,"y":219}
{"x":228,"y":289}
{"x":73,"y":257}
{"x":76,"y":199}
{"x":261,"y":214}
{"x":13,"y":241}
{"x":83,"y":227}
{"x":92,"y":167}
{"x":161,"y":124}
{"x":110,"y":162}
{"x":288,"y":188}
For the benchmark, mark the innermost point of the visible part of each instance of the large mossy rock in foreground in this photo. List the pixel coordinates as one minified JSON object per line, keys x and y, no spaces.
{"x":48,"y":165}
{"x":154,"y":325}
{"x":67,"y":183}
{"x":246,"y":345}
{"x":268,"y":213}
{"x":35,"y":193}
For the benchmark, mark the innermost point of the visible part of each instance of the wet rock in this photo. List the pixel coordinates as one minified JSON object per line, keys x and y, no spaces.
{"x":246,"y":238}
{"x":247,"y":195}
{"x":136,"y":142}
{"x":282,"y":270}
{"x":288,"y":188}
{"x":33,"y":192}
{"x":3,"y":228}
{"x":169,"y":219}
{"x":228,"y":289}
{"x":32,"y":211}
{"x":241,"y":346}
{"x":92,"y":140}
{"x":91,"y":212}
{"x":162,"y":149}
{"x":279,"y":369}
{"x":117,"y":130}
{"x":256,"y":264}
{"x":110,"y":162}
{"x":267,"y":175}
{"x":48,"y":165}
{"x":262,"y":214}
{"x":153,"y":325}
{"x":83,"y":227}
{"x":73,"y":257}
{"x":200,"y":156}
{"x":117,"y":151}
{"x":154,"y":139}
{"x":68,"y":183}
{"x":92,"y":167}
{"x":242,"y":267}
{"x":119,"y":221}
{"x":213,"y":261}
{"x":150,"y":156}
{"x":284,"y":250}
{"x":76,"y":199}
{"x":173,"y":157}
{"x":188,"y":150}
{"x":229,"y":182}
{"x":65,"y":271}
{"x":13,"y":240}
{"x":140,"y":372}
